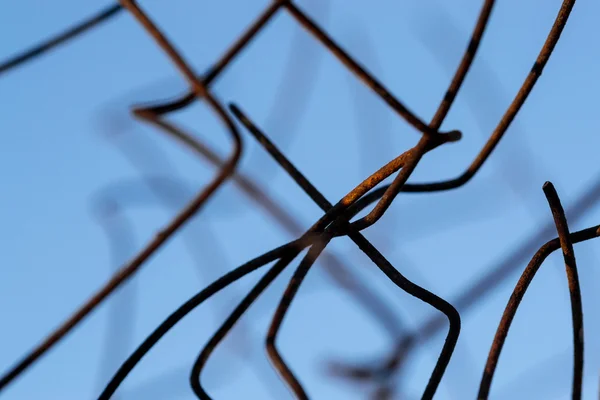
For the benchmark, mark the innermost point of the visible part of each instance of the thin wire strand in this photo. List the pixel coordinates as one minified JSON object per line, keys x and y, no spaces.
{"x":562,"y":228}
{"x":511,"y":112}
{"x":565,"y":241}
{"x":165,"y":107}
{"x":286,"y":300}
{"x":75,"y":31}
{"x":361,"y":72}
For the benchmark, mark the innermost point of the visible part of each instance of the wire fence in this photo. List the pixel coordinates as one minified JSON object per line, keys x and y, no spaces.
{"x":339,"y":219}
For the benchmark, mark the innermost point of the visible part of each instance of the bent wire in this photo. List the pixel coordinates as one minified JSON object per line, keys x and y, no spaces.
{"x":565,"y":241}
{"x":369,"y":250}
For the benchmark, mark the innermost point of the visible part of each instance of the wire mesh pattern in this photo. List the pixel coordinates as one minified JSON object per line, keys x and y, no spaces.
{"x":338,"y":219}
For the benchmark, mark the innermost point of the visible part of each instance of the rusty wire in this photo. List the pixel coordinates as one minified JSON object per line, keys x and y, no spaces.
{"x":337,"y":218}
{"x":492,"y":278}
{"x":565,"y":241}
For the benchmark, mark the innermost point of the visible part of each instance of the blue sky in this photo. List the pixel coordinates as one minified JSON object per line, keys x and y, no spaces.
{"x":69,"y":145}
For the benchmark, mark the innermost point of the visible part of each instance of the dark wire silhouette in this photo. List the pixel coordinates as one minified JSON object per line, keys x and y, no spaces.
{"x":38,"y":50}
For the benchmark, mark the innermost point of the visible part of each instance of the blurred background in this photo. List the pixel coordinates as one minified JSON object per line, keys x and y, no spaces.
{"x":85,"y":185}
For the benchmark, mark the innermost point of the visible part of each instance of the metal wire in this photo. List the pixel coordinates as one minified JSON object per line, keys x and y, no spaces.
{"x":337,"y":219}
{"x":565,"y":241}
